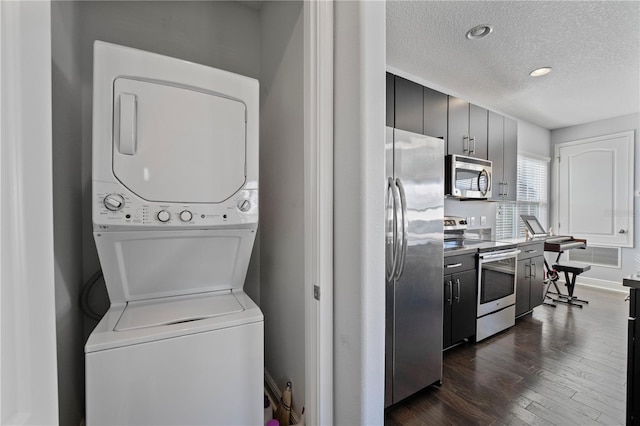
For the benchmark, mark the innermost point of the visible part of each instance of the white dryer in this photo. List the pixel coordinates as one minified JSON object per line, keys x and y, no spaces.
{"x":175,"y":212}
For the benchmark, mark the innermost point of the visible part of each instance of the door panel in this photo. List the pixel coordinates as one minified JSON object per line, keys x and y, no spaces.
{"x":595,"y":189}
{"x":417,"y":357}
{"x":463,"y":317}
{"x":174,"y":144}
{"x":478,"y":131}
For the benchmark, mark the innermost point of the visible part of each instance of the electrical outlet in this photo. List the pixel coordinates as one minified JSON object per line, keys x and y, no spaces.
{"x":483,"y":220}
{"x":473,"y":221}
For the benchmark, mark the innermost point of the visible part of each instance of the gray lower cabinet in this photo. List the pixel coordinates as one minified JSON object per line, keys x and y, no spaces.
{"x":460,"y":299}
{"x":530,"y":280}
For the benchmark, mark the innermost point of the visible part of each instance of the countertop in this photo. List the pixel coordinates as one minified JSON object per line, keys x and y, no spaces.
{"x":632,"y":280}
{"x":470,"y":245}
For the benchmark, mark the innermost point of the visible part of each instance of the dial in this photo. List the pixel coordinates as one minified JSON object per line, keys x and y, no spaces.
{"x":163,"y":216}
{"x":244,"y":205}
{"x":186,"y":216}
{"x":113,"y":202}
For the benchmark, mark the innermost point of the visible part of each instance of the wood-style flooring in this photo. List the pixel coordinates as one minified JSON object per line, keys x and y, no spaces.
{"x":557,"y":366}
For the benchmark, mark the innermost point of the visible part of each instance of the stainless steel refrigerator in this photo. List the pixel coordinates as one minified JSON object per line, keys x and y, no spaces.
{"x":414,"y":263}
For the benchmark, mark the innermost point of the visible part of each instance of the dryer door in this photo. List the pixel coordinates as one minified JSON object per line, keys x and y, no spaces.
{"x":177,"y":144}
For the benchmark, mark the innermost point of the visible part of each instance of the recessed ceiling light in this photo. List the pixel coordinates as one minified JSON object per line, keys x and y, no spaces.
{"x":540,"y":72}
{"x":479,"y":32}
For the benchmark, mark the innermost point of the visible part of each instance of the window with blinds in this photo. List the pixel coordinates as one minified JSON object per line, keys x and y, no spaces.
{"x":532,"y":198}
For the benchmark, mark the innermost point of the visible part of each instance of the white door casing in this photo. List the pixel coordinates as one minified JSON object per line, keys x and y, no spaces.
{"x":595,"y":189}
{"x":318,"y":159}
{"x":28,"y":367}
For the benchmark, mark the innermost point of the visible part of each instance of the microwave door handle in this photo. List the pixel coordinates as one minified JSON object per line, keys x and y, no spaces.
{"x":484,"y":190}
{"x":392,"y":200}
{"x":405,"y":227}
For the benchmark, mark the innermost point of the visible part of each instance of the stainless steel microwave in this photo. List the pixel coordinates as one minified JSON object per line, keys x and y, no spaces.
{"x":467,"y":177}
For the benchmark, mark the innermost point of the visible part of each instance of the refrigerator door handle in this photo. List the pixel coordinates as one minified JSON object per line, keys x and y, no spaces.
{"x":405,"y":226}
{"x":393,"y":199}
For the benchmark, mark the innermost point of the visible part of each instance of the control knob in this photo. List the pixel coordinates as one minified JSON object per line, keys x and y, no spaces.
{"x":244,"y":205}
{"x":113,"y":202}
{"x":163,"y":216}
{"x":186,"y":216}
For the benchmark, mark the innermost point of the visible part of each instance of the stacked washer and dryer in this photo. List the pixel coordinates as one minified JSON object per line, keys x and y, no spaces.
{"x":175,"y":214}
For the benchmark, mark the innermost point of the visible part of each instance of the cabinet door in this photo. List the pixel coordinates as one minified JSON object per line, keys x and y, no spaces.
{"x":523,"y":287}
{"x":435,"y":114}
{"x":495,"y":144}
{"x":458,"y":126}
{"x":478,"y":131}
{"x":408,"y":105}
{"x":510,"y":164}
{"x":448,"y":300}
{"x":536,"y":293}
{"x":464,"y":306}
{"x":390,"y":100}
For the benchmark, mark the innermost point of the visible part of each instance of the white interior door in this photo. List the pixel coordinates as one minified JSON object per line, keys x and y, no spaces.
{"x":595,"y":185}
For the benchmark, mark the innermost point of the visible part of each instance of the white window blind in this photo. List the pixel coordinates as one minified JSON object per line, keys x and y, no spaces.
{"x":532,"y":198}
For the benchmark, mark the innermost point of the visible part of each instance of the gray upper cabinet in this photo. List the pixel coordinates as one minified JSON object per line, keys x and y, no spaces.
{"x":503,"y":153}
{"x":408,"y":105}
{"x":467,"y":129}
{"x":391,"y":114}
{"x":510,"y":165}
{"x":435,"y":114}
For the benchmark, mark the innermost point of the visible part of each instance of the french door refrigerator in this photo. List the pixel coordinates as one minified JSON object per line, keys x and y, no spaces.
{"x":414,"y":213}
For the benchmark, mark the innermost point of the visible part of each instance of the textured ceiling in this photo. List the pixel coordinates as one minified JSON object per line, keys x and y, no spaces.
{"x":593,"y":47}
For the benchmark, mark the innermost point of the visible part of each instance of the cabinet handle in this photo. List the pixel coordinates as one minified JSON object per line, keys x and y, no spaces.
{"x":528,"y":265}
{"x":531,"y":251}
{"x":453,"y":265}
{"x":458,"y":285}
{"x":506,"y":185}
{"x":535,"y":269}
{"x":450,"y":292}
{"x":468,"y":148}
{"x":472,"y":139}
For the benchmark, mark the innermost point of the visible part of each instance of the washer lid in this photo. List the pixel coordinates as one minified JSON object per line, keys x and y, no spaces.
{"x":176,"y":310}
{"x":177,"y":144}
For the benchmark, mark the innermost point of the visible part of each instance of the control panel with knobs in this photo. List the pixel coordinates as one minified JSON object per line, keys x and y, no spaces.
{"x":113,"y":202}
{"x":186,"y":216}
{"x":163,"y":216}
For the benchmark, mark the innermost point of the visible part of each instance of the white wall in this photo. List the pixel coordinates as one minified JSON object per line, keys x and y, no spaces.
{"x":359,"y":184}
{"x":225,"y":35}
{"x":28,"y":379}
{"x":282,"y":271}
{"x":534,"y":139}
{"x":67,"y":211}
{"x":630,"y":256}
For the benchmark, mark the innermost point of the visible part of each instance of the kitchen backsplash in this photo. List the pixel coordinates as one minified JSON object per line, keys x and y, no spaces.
{"x":474,"y":210}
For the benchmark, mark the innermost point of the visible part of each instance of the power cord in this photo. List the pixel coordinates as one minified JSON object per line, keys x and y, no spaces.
{"x":84,"y":297}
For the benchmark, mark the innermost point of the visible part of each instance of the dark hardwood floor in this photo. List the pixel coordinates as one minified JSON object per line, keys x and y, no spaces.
{"x":557,"y":366}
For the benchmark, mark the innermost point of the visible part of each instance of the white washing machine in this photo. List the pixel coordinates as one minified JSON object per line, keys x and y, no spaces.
{"x":175,"y":213}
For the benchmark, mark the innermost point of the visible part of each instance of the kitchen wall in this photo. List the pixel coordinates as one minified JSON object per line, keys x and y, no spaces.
{"x":259,"y":39}
{"x":611,"y":277}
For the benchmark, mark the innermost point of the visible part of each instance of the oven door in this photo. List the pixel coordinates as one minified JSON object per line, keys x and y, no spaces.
{"x":496,"y":281}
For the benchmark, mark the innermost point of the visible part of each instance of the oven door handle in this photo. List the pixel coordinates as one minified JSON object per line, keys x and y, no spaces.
{"x":492,"y":257}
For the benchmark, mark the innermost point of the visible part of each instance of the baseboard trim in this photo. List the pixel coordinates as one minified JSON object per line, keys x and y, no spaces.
{"x":601,"y":284}
{"x":276,"y":394}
